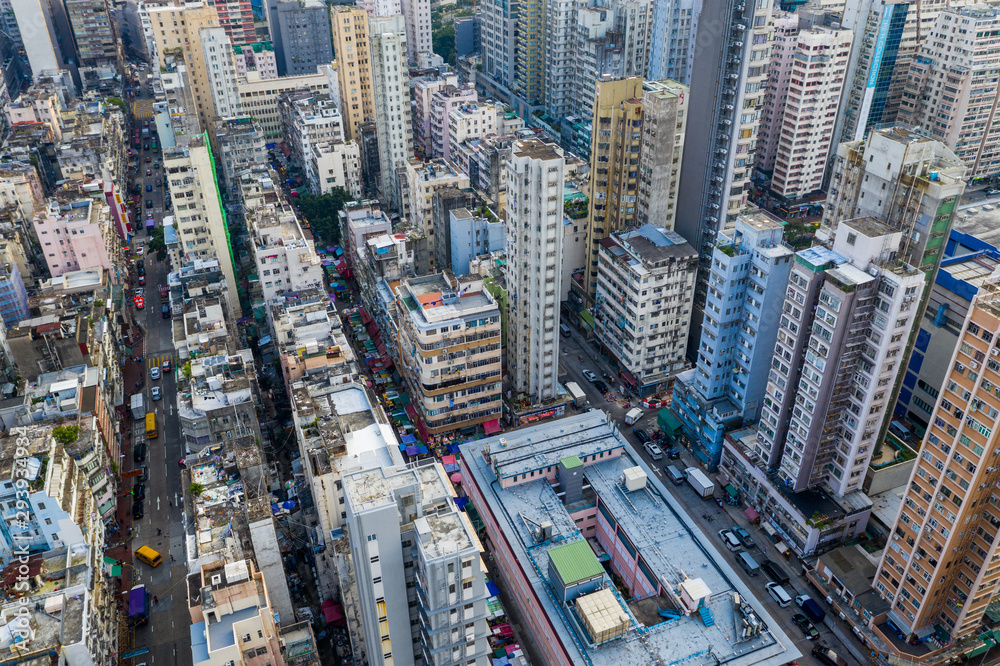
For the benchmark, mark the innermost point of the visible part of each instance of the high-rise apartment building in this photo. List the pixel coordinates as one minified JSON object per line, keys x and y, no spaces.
{"x":727,"y":90}
{"x":644,"y":288}
{"x":218,"y":56}
{"x":951,"y":89}
{"x":390,"y":80}
{"x":417,"y":15}
{"x":449,"y":351}
{"x":750,"y":268}
{"x":259,"y":98}
{"x":909,"y":181}
{"x":95,"y":36}
{"x":241,"y":147}
{"x":419,"y":585}
{"x":301,"y":33}
{"x":560,"y":58}
{"x":635,"y":158}
{"x":497,"y":44}
{"x":674,"y":25}
{"x":804,"y":87}
{"x":535,"y":174}
{"x":529,"y":66}
{"x":349,"y":25}
{"x":940,"y":566}
{"x":178,"y":30}
{"x":201,"y":228}
{"x":846,"y":319}
{"x":968,"y":263}
{"x":887,"y":36}
{"x":255,"y":61}
{"x":42,"y":49}
{"x":418,"y":183}
{"x":665,"y":112}
{"x":236,"y":18}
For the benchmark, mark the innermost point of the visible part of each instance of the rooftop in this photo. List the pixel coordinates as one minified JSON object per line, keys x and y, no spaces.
{"x":671,"y":547}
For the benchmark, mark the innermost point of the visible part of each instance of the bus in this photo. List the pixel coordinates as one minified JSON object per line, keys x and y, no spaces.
{"x":151,"y":426}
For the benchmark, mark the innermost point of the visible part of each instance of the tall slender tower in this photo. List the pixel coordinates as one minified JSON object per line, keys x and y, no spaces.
{"x":727,"y":90}
{"x":392,"y":103}
{"x":349,"y":25}
{"x":940,"y":566}
{"x":535,"y":175}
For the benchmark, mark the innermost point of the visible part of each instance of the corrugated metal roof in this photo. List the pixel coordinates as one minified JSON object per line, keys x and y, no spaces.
{"x":575,"y":562}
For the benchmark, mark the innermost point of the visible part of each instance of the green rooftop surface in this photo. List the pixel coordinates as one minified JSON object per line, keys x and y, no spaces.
{"x":572,"y":462}
{"x":575,"y":562}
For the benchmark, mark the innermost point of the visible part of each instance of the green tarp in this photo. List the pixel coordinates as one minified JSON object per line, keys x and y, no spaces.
{"x":668,"y":421}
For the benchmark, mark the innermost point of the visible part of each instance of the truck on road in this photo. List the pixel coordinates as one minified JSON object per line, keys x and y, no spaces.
{"x":810,"y":607}
{"x":138,"y":407}
{"x":697,"y":479}
{"x":633,"y":415}
{"x":575,"y":392}
{"x":138,"y":605}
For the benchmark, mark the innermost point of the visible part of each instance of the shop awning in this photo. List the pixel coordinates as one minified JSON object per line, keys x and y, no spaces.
{"x":411,"y":411}
{"x":751,"y":514}
{"x":448,"y":460}
{"x":587,"y":319}
{"x":668,"y":421}
{"x":492,"y":427}
{"x":629,"y":378}
{"x":408,"y":439}
{"x":332,"y":611}
{"x":733,"y":492}
{"x":768,"y":529}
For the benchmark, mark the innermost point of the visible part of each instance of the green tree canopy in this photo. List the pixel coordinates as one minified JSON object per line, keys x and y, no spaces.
{"x":156,"y":243}
{"x":66,"y":434}
{"x":321,"y":213}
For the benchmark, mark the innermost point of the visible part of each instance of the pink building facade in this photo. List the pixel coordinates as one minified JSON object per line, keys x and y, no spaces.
{"x":70,"y":236}
{"x":804,"y":87}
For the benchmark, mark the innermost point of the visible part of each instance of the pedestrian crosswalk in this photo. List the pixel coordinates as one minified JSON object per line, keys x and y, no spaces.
{"x":142,"y":109}
{"x":165,"y":362}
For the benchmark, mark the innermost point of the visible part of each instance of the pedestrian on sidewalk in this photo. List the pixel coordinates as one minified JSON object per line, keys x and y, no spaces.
{"x":156,"y":599}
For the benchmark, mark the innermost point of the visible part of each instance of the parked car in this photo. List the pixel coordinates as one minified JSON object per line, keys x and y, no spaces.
{"x":165,"y":311}
{"x":653,"y":450}
{"x":149,"y":203}
{"x":148,"y":159}
{"x":601,"y":386}
{"x":992,"y":192}
{"x":803,"y":623}
{"x":743,"y":536}
{"x":591,"y":377}
{"x":139,"y":452}
{"x":149,"y":188}
{"x":730,"y":540}
{"x":142,"y":278}
{"x":154,"y":372}
{"x":143,"y":474}
{"x":139,"y":490}
{"x":140,"y":291}
{"x":824,"y":654}
{"x":149,"y":172}
{"x":672,"y":453}
{"x":641,"y":435}
{"x":140,"y":302}
{"x":158,"y":182}
{"x":774,"y":572}
{"x":156,"y":393}
{"x":166,"y":365}
{"x":137,"y":510}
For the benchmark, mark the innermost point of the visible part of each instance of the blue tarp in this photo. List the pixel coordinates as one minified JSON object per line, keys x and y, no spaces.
{"x":408,"y":439}
{"x":422,"y":449}
{"x":460,"y":502}
{"x":453,"y":447}
{"x":453,"y":467}
{"x":413,"y":450}
{"x":402,"y":447}
{"x":492,"y":588}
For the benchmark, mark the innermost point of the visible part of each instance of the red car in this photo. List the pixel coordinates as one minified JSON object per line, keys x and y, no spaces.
{"x":142,"y":279}
{"x":140,"y":302}
{"x":163,"y":291}
{"x":165,"y":366}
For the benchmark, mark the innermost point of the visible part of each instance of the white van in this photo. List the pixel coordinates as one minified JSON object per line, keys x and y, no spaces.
{"x":633,"y":415}
{"x":778,"y":594}
{"x":731,"y":540}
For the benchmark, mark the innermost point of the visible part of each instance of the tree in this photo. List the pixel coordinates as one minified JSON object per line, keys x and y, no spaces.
{"x":186,"y":370}
{"x":157,"y":244}
{"x":443,"y":42}
{"x":66,"y":434}
{"x":321,"y":213}
{"x":117,"y":101}
{"x":196,"y":489}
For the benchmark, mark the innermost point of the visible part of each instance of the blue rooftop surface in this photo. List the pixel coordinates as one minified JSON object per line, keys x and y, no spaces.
{"x":820,"y":255}
{"x":220,"y":634}
{"x":169,"y":234}
{"x":672,"y":546}
{"x":199,"y":644}
{"x":658,"y":236}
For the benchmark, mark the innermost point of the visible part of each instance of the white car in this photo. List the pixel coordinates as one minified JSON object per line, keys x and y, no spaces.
{"x":156,"y":393}
{"x":154,"y":372}
{"x":591,"y":377}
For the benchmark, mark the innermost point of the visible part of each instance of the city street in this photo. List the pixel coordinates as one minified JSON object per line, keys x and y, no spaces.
{"x":167,"y":635}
